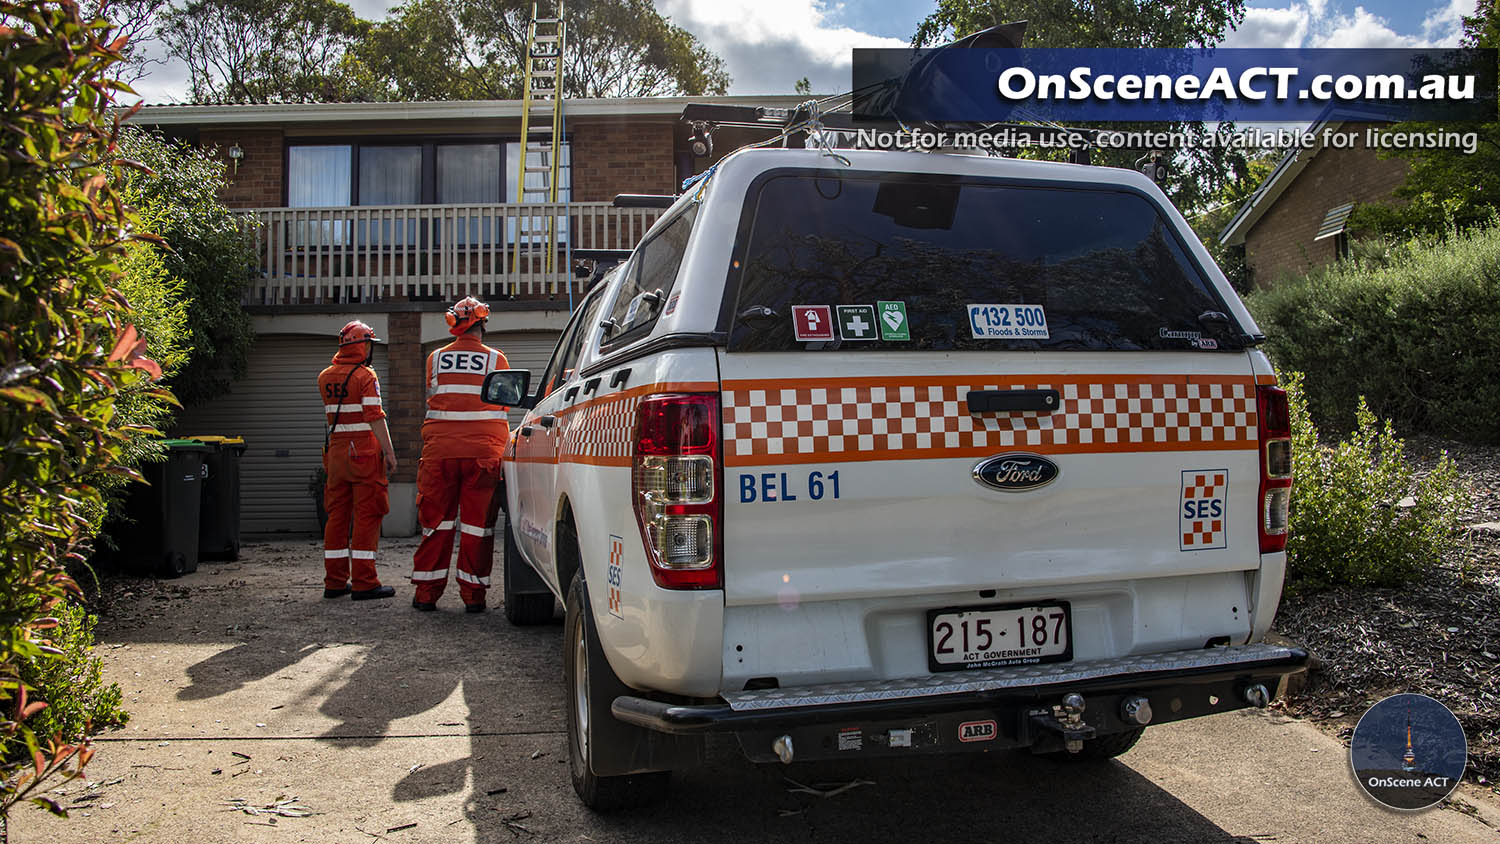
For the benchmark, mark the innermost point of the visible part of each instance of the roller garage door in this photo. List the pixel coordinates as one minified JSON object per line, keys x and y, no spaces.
{"x":522,"y":349}
{"x":276,"y":409}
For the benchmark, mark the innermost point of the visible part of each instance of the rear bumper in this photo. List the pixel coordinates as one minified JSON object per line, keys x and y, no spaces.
{"x":935,"y":713}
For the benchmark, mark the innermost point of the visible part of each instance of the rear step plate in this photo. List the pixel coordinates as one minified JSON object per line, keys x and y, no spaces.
{"x":1247,"y":657}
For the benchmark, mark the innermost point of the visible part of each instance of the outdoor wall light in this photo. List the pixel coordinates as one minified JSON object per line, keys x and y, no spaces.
{"x":235,"y":155}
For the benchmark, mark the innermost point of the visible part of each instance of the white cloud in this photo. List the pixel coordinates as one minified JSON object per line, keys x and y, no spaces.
{"x":1315,"y":24}
{"x":1361,"y":30}
{"x":1271,"y":28}
{"x":770,"y":44}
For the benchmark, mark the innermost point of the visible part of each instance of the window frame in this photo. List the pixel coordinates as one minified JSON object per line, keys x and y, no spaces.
{"x":428,"y":144}
{"x":636,"y":265}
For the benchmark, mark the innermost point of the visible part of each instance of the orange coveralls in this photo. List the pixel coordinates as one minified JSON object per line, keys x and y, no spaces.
{"x":462,"y":440}
{"x":356,"y":495}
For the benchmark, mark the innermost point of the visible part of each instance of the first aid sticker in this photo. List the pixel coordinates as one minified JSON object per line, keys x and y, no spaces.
{"x":1008,"y":322}
{"x":812,"y":322}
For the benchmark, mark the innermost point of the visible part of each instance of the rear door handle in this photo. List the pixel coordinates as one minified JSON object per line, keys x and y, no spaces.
{"x":525,"y":430}
{"x":547,"y":421}
{"x":989,"y":401}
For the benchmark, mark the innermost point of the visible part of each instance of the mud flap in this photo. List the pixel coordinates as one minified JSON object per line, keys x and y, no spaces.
{"x":618,"y":748}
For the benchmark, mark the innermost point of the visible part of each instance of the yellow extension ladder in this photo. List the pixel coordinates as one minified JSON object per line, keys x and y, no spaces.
{"x":542,"y":136}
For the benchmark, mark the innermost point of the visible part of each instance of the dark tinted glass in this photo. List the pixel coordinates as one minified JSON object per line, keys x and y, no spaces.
{"x":653,"y":274}
{"x":390,"y":175}
{"x":1104,"y":265}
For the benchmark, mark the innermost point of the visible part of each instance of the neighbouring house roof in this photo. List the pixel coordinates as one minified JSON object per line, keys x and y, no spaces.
{"x":1287,"y":169}
{"x":285,"y":114}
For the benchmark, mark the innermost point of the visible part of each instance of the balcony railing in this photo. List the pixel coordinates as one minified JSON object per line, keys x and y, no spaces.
{"x":375,"y":253}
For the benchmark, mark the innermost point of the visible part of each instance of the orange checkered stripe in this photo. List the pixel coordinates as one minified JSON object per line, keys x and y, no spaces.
{"x":600,"y":431}
{"x":815,"y":420}
{"x":1204,"y":533}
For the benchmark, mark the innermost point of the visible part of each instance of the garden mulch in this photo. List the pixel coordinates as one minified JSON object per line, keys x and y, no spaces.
{"x":1439,"y":636}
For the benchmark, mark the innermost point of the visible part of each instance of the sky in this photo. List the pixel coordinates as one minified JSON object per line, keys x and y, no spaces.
{"x":770,"y":44}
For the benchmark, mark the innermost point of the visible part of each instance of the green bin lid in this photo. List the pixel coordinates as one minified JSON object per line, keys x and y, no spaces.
{"x":185,"y":445}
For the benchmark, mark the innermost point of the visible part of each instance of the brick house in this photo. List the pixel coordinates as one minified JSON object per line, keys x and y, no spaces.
{"x":1295,"y":220}
{"x":389,"y":212}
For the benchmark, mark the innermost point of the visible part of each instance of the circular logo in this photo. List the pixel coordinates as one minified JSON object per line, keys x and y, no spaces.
{"x":1408,"y":752}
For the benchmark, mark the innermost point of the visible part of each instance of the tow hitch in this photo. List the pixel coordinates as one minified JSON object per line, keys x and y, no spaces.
{"x":1066,"y":720}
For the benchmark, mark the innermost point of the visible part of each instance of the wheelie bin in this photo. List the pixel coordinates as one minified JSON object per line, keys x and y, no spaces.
{"x":219,"y":521}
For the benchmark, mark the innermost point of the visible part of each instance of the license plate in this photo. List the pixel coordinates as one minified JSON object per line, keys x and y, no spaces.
{"x":988,"y":637}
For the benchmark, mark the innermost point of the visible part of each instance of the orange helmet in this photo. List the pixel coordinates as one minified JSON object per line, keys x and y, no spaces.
{"x":464,"y":313}
{"x":355,"y":331}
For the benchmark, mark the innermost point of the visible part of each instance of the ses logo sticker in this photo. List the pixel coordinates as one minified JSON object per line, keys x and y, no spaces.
{"x":1203,"y":513}
{"x":616,"y":558}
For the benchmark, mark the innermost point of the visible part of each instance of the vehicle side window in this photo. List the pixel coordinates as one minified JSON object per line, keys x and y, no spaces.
{"x":559,"y":368}
{"x":653,"y":275}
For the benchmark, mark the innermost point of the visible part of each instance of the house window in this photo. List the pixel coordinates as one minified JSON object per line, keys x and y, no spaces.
{"x":318,"y":176}
{"x":468,"y":173}
{"x":390,"y":175}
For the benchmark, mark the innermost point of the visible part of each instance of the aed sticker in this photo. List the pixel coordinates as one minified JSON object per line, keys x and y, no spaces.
{"x":616,"y":570}
{"x":1008,"y":322}
{"x":1202,"y":513}
{"x":893,"y":324}
{"x":812,"y":322}
{"x":851,"y":738}
{"x":857,"y":322}
{"x":970,"y":731}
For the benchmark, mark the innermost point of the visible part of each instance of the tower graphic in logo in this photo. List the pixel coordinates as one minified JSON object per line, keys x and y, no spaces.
{"x":1408,"y":752}
{"x":1408,"y":761}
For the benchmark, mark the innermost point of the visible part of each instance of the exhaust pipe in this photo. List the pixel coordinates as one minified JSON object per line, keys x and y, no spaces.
{"x":783,"y":748}
{"x":1257,"y":696}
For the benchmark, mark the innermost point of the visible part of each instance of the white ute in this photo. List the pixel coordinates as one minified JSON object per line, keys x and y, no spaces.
{"x":895,"y":453}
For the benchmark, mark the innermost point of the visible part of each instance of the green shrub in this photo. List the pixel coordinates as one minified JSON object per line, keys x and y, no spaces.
{"x":1361,"y":515}
{"x":79,"y":702}
{"x":1410,"y":328}
{"x":63,"y":233}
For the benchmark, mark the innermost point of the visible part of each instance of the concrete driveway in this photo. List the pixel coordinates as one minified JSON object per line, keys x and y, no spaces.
{"x":393,"y":725}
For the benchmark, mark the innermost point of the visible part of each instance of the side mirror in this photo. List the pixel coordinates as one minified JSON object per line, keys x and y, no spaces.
{"x":507,"y":388}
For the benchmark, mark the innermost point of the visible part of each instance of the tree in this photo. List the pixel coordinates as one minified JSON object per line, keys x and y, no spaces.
{"x":803,"y":86}
{"x":208,"y":255}
{"x":137,"y":21}
{"x":467,"y":49}
{"x":1100,"y":23}
{"x":1197,"y":173}
{"x":1446,"y":188}
{"x":265,"y":51}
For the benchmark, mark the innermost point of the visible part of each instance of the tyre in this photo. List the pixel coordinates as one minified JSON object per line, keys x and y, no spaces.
{"x":1101,"y":748}
{"x":523,"y":609}
{"x":591,"y":687}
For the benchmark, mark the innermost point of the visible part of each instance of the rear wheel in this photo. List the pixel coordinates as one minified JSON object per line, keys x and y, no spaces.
{"x":523,"y":609}
{"x":591,"y":687}
{"x":1103,"y":747}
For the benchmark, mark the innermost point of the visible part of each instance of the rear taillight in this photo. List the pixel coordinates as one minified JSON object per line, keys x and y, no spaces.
{"x":1275,"y":422}
{"x":675,"y":477}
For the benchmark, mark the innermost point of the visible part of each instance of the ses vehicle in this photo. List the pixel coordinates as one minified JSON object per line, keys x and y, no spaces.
{"x":888,"y":453}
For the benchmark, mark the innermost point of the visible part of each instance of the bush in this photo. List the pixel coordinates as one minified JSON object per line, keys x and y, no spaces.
{"x":63,"y":233}
{"x":1410,"y":328}
{"x":210,"y":255}
{"x":80,"y":704}
{"x":1361,"y":515}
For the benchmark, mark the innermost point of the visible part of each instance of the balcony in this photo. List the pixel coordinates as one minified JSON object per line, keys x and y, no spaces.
{"x":362,"y":254}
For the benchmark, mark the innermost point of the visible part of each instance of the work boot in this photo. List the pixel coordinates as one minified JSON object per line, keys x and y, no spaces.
{"x":423,"y":606}
{"x":337,"y":593}
{"x":473,"y":607}
{"x":372,"y":594}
